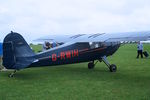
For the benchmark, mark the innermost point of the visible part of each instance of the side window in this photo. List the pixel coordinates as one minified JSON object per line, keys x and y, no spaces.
{"x":96,"y":44}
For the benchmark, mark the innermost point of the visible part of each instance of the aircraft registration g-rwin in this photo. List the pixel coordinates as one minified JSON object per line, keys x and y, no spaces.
{"x":91,"y":48}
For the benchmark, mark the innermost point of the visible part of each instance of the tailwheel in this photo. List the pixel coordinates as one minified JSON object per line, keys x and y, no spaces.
{"x":113,"y":68}
{"x":91,"y":65}
{"x":12,"y":74}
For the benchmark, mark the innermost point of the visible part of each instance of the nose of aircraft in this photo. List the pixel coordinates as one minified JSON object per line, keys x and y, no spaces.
{"x":113,"y":48}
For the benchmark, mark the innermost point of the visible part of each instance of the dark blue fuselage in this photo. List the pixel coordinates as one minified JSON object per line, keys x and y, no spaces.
{"x":75,"y":53}
{"x":17,"y":54}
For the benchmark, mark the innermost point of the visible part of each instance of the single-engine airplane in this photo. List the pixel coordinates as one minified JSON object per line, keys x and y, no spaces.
{"x":18,"y":55}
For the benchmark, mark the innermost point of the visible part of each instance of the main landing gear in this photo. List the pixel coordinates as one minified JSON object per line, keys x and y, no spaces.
{"x":12,"y":74}
{"x":112,"y":67}
{"x":91,"y":64}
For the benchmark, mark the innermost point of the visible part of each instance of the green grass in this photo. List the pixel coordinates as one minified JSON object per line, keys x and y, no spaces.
{"x":36,"y":48}
{"x":76,"y":82}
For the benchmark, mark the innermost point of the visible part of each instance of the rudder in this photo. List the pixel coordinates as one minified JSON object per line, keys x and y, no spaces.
{"x":17,"y":54}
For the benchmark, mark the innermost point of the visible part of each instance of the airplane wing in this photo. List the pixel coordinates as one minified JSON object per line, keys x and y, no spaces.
{"x":99,"y":37}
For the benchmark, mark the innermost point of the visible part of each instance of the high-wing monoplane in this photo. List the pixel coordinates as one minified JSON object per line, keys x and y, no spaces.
{"x":91,"y":48}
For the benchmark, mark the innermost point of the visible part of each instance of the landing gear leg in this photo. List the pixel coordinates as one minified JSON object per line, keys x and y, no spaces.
{"x":112,"y":67}
{"x":12,"y":74}
{"x":91,"y":64}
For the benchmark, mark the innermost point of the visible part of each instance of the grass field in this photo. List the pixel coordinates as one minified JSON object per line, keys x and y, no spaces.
{"x":77,"y":82}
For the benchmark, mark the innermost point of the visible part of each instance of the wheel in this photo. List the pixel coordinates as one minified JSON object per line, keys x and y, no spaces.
{"x":113,"y":68}
{"x":91,"y":65}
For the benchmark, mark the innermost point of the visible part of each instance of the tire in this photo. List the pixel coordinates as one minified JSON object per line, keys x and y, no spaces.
{"x":113,"y":68}
{"x":91,"y":65}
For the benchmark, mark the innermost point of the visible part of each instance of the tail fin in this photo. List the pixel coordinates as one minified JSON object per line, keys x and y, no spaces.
{"x":17,"y":54}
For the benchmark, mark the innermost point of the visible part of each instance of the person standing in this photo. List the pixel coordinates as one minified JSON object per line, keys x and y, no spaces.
{"x":139,"y":49}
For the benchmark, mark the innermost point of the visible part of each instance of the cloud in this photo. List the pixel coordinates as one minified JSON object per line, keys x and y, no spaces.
{"x":36,"y":18}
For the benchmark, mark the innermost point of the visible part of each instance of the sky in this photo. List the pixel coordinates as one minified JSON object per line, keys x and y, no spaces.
{"x":38,"y":18}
